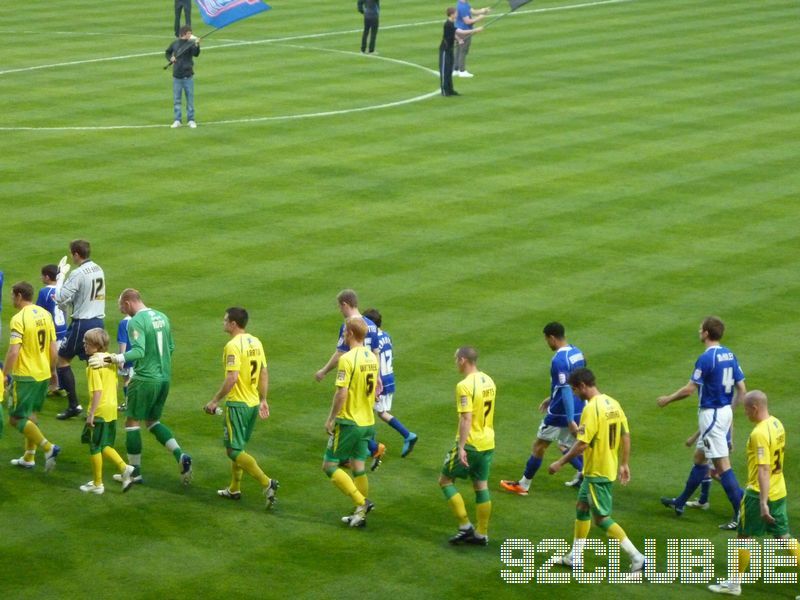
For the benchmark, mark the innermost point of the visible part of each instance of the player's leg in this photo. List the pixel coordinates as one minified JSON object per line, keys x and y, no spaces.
{"x":373,"y":33}
{"x":178,"y":7}
{"x":239,"y":423}
{"x":544,"y":437}
{"x":29,"y":396}
{"x":364,"y":35}
{"x":382,"y":408}
{"x":139,"y":398}
{"x":71,"y":347}
{"x":565,"y":441}
{"x":583,"y":523}
{"x":343,"y":444}
{"x":480,"y":465}
{"x":750,"y":525}
{"x":601,"y":504}
{"x":158,"y":392}
{"x":717,"y":450}
{"x":452,"y":470}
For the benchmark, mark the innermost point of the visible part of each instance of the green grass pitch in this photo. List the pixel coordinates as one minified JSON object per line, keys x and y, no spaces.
{"x":624,"y":167}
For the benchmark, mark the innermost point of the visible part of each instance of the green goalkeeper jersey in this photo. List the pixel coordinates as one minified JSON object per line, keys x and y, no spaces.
{"x":151,"y":345}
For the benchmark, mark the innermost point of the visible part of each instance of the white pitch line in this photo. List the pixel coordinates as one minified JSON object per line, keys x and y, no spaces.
{"x":309,"y":36}
{"x":282,"y":41}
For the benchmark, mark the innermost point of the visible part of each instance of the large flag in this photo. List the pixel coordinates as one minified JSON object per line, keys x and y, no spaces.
{"x":219,"y":13}
{"x":515,"y":4}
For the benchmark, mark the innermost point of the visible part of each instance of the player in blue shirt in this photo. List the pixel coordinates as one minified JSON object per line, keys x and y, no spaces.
{"x":563,"y":408}
{"x":126,"y":371}
{"x":384,"y":402}
{"x":717,"y":375}
{"x":347,"y":302}
{"x":47,"y":300}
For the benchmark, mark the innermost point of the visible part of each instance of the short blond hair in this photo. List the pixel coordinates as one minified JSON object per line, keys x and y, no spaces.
{"x":357,"y":328}
{"x":98,"y":338}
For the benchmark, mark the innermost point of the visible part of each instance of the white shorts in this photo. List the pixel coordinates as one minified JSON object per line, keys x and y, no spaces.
{"x":384,"y":403}
{"x":551,"y":433}
{"x":714,"y":424}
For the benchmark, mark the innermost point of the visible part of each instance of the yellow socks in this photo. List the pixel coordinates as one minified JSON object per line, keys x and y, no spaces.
{"x":249,"y":464}
{"x":97,"y":468}
{"x":342,"y":481}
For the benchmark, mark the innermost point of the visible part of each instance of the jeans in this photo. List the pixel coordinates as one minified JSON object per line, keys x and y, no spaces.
{"x":186,"y":86}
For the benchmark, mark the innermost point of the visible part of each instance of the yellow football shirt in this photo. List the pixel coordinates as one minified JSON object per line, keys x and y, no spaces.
{"x":602,"y":424}
{"x":765,"y":446}
{"x":244,"y":354}
{"x":358,"y":372}
{"x":104,"y":380}
{"x":476,"y":394}
{"x":32,"y":328}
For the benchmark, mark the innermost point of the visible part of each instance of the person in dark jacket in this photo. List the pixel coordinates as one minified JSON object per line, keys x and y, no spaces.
{"x":370,"y":9}
{"x":181,"y":54}
{"x":450,"y":38}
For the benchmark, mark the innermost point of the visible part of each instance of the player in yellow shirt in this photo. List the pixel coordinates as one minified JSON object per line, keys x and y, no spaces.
{"x":245,"y":394}
{"x":350,"y":423}
{"x":472,"y":454}
{"x":100,"y":430}
{"x":763,"y":508}
{"x":31,"y":361}
{"x":602,"y":431}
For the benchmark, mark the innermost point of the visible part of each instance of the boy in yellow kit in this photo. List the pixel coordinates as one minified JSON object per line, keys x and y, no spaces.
{"x":101,"y":419}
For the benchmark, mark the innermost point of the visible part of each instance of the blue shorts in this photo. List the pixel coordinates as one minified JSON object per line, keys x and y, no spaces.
{"x":73,"y":344}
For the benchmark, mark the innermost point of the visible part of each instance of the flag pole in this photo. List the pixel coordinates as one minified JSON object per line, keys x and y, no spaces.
{"x":187,"y":46}
{"x":498,"y":17}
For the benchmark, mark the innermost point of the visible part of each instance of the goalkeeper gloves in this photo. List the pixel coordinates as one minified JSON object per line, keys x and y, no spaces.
{"x":98,"y":360}
{"x":63,"y":269}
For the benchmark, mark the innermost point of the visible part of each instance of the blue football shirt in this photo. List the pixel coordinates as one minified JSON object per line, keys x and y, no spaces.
{"x":564,"y":362}
{"x":716,"y":374}
{"x":385,"y":358}
{"x":47,"y":300}
{"x":370,"y":341}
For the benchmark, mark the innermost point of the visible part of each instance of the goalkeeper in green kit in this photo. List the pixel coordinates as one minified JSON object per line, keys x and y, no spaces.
{"x":150,"y":350}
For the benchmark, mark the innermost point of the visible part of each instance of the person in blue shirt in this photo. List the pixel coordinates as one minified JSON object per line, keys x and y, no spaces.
{"x":717,"y":376}
{"x":384,"y":402}
{"x":125,"y":372}
{"x":563,"y":409}
{"x":466,"y":17}
{"x":47,"y":300}
{"x":347,"y":302}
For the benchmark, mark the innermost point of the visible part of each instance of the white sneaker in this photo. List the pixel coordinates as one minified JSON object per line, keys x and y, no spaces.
{"x":637,"y":566}
{"x":91,"y":488}
{"x":575,"y":481}
{"x":565,"y":560}
{"x":134,"y":478}
{"x":466,"y":74}
{"x":192,"y":125}
{"x":22,"y":463}
{"x":726,"y":587}
{"x":127,"y":478}
{"x":360,"y":514}
{"x":50,"y":456}
{"x":698,"y":504}
{"x":456,"y":74}
{"x":175,"y":124}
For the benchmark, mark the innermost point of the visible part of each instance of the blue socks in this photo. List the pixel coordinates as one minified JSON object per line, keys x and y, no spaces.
{"x":577,"y":462}
{"x":394,"y":423}
{"x":705,"y":488}
{"x":696,"y":476}
{"x":532,"y":466}
{"x":732,"y":489}
{"x":372,"y":445}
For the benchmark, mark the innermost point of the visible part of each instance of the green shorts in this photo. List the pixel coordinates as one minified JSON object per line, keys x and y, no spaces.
{"x":597,"y":494}
{"x":348,"y":442}
{"x":239,"y":422}
{"x":480,"y":462}
{"x":101,"y":435}
{"x":28,"y":396}
{"x":752,"y":525}
{"x":146,"y":399}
